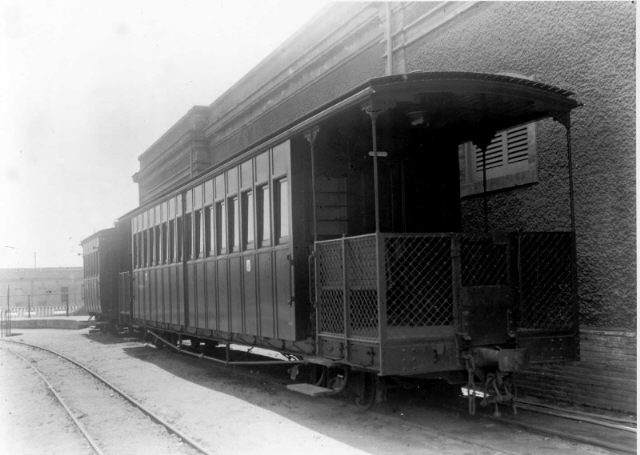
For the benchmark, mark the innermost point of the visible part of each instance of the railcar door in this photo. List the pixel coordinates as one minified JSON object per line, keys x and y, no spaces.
{"x":486,"y":294}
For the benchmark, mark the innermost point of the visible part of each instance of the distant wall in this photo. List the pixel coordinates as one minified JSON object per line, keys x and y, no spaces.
{"x":41,"y":286}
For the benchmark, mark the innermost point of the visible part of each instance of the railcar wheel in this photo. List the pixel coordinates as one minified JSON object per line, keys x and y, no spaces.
{"x":367,"y":391}
{"x":337,"y":378}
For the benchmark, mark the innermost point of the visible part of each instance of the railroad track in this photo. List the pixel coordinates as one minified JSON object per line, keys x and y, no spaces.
{"x":598,"y":430}
{"x":612,"y":433}
{"x":90,"y":400}
{"x":549,"y":422}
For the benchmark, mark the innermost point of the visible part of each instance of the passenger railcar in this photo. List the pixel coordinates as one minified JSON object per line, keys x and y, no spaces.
{"x":105,"y":255}
{"x":339,"y":240}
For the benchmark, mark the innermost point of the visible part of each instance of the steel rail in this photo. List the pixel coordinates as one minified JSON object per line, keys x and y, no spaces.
{"x":604,"y":421}
{"x":567,"y":436}
{"x":123,"y":394}
{"x":83,"y":430}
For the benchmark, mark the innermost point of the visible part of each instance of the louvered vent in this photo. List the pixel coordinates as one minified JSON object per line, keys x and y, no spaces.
{"x":510,"y":157}
{"x":506,"y":147}
{"x":494,"y":154}
{"x":517,"y":145}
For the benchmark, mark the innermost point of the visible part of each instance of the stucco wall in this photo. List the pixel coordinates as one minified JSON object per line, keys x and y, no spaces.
{"x":588,"y":48}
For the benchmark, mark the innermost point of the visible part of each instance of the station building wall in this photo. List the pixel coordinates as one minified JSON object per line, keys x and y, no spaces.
{"x":589,"y":49}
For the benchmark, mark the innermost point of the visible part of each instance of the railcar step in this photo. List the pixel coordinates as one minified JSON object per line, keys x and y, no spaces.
{"x":309,"y":389}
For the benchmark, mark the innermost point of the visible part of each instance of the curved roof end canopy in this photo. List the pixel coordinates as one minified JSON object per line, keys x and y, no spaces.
{"x":474,"y":105}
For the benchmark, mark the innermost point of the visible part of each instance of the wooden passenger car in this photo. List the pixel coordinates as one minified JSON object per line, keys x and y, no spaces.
{"x":105,"y":255}
{"x":340,"y":239}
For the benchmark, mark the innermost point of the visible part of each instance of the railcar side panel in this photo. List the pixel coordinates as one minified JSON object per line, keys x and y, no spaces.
{"x":250,"y":300}
{"x":235,"y":294}
{"x":284,"y":295}
{"x":201,"y":296}
{"x":191,"y":294}
{"x":212,"y":295}
{"x":223,"y":295}
{"x":265,"y":293}
{"x":179,"y":303}
{"x":166,"y":294}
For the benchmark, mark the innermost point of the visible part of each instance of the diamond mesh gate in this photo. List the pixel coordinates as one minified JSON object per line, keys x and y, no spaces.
{"x":414,"y":284}
{"x":398,"y":287}
{"x":545,"y":280}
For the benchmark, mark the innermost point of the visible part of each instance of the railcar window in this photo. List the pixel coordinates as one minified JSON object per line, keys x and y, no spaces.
{"x":134,"y":241}
{"x":145,"y":243}
{"x":172,"y":253}
{"x":247,"y":220}
{"x":207,"y":230}
{"x":197,"y":239}
{"x":140,"y":247}
{"x":156,"y":240}
{"x":234,"y":237}
{"x":164,"y":243}
{"x":221,"y":227}
{"x":179,"y":230}
{"x":264,"y":216}
{"x":281,"y":206}
{"x":188,"y":237}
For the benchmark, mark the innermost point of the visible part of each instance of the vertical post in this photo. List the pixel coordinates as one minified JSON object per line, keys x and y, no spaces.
{"x":345,"y":295}
{"x":310,"y":136}
{"x":376,"y":198}
{"x":565,"y":119}
{"x":572,"y":216}
{"x":388,"y":39}
{"x":485,"y":202}
{"x":29,"y":306}
{"x":381,"y":286}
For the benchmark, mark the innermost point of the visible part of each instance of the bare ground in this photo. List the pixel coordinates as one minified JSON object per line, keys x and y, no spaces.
{"x":239,"y":411}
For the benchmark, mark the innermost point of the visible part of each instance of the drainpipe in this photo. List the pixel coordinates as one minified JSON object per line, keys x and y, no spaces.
{"x":388,"y":38}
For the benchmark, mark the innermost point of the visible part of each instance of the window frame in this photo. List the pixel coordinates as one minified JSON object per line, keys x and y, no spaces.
{"x":504,"y":176}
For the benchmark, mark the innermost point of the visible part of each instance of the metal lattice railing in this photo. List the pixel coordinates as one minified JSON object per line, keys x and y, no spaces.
{"x":330,"y":292}
{"x":484,"y":260}
{"x":545,"y":278}
{"x":418,"y":279}
{"x":418,"y":275}
{"x":362,"y":286}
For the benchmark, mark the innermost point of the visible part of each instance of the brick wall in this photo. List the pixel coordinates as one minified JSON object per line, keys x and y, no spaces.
{"x":605,"y":377}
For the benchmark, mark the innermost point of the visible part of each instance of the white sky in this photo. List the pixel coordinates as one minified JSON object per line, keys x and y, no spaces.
{"x":87,"y":86}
